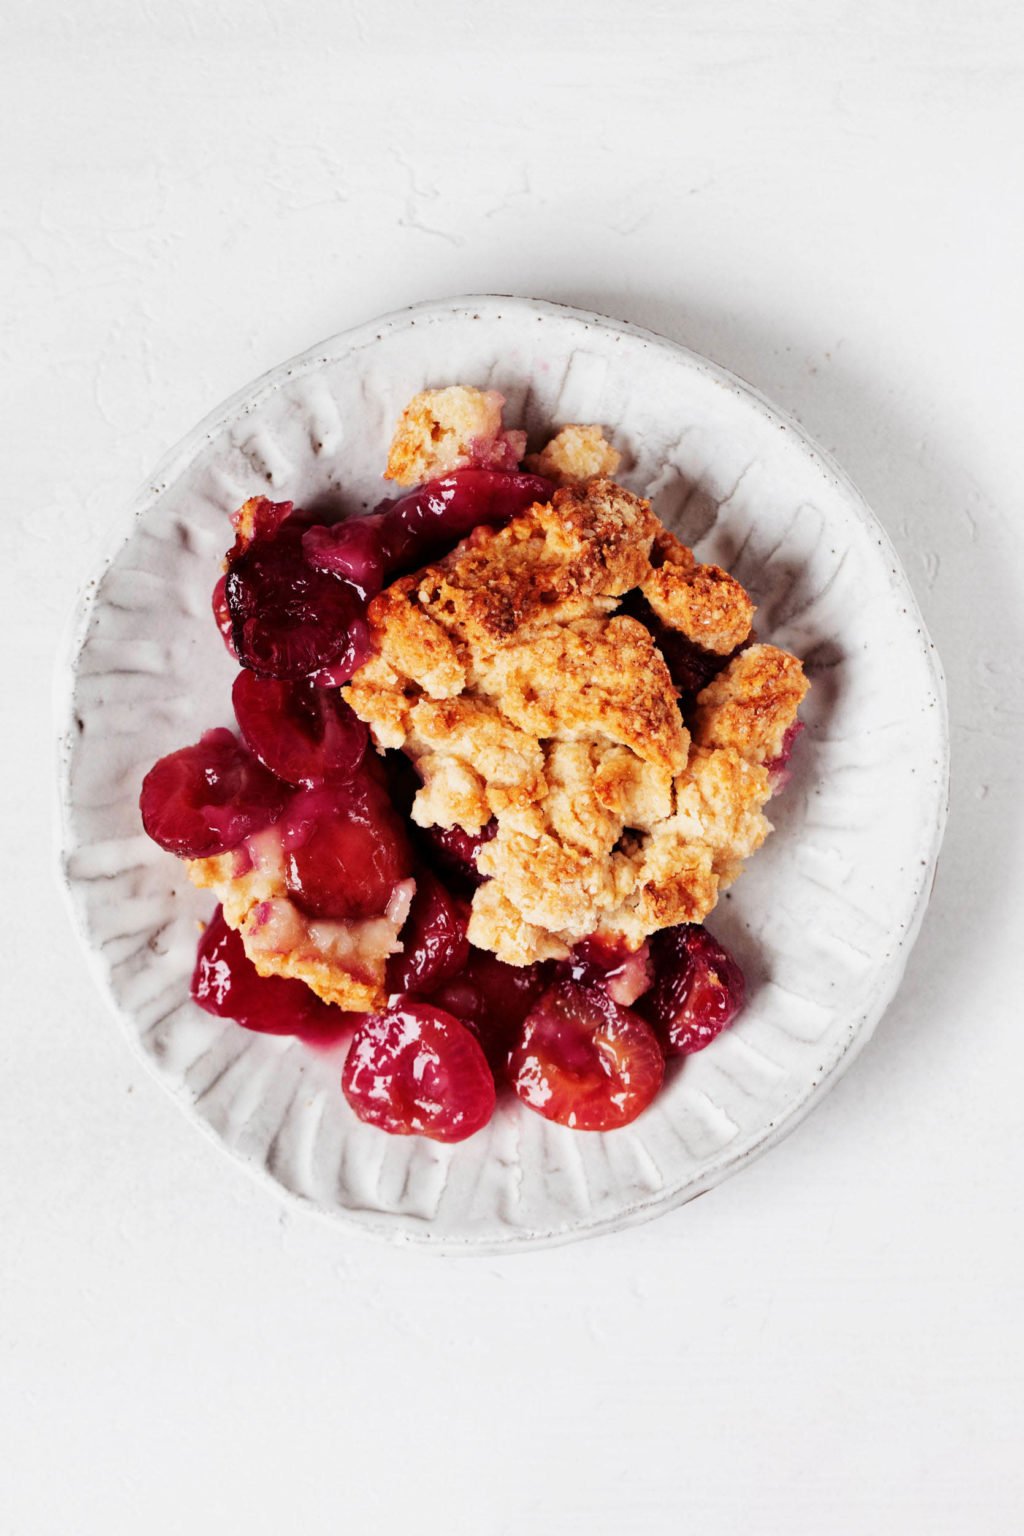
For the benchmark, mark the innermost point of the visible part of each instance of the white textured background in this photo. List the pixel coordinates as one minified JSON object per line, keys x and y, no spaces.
{"x":825,"y":197}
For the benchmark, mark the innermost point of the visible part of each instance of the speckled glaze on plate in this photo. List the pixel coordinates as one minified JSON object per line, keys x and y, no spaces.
{"x":822,"y":920}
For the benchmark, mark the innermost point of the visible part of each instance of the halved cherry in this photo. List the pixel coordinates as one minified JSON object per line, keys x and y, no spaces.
{"x":434,"y":943}
{"x":698,"y":989}
{"x":345,"y":850}
{"x":306,"y":735}
{"x":624,"y":973}
{"x":456,"y":850}
{"x":404,"y":534}
{"x":584,"y":1060}
{"x":289,"y":619}
{"x":208,"y":798}
{"x":443,"y":511}
{"x":416,"y":1071}
{"x":355,"y":549}
{"x":226,"y":983}
{"x":493,"y":999}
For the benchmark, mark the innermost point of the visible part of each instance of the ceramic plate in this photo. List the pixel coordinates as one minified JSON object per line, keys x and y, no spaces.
{"x":823,"y":919}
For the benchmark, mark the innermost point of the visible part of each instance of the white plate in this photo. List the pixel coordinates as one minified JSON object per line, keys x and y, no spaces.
{"x":823,"y":919}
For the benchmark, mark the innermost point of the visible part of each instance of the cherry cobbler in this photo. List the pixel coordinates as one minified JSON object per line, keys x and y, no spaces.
{"x":502,"y":744}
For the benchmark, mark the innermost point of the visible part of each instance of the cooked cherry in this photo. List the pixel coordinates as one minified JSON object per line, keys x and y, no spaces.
{"x":226,"y":983}
{"x":207,"y":798}
{"x":359,"y":648}
{"x":444,"y":511}
{"x":584,"y":1060}
{"x":624,"y":973}
{"x":258,"y":518}
{"x":416,"y":1070}
{"x":434,"y":943}
{"x":356,"y":549}
{"x":493,"y":999}
{"x":698,"y":989}
{"x":345,"y":850}
{"x":408,"y":532}
{"x":455,"y":849}
{"x":290,"y":619}
{"x":306,"y":735}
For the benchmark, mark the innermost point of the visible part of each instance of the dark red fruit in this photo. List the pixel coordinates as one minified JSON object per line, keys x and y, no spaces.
{"x":356,"y":549}
{"x":585,"y":1061}
{"x":493,"y":999}
{"x":208,"y":798}
{"x":416,"y":1070}
{"x":221,"y":613}
{"x":404,"y":534}
{"x":624,"y":973}
{"x":226,"y":983}
{"x":444,"y":511}
{"x":434,"y":943}
{"x":359,"y":648}
{"x":288,"y":618}
{"x":698,"y":989}
{"x":345,"y":850}
{"x":306,"y":735}
{"x":455,"y":850}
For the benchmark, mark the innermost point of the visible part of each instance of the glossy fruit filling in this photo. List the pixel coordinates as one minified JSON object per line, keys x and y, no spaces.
{"x":307,"y":736}
{"x":208,"y":798}
{"x":454,"y":850}
{"x":779,"y":771}
{"x":434,"y":943}
{"x":698,"y":989}
{"x":416,"y":1070}
{"x":367,"y":551}
{"x":493,"y":999}
{"x":345,"y":850}
{"x":584,"y":1060}
{"x":290,"y":619}
{"x":625,"y":974}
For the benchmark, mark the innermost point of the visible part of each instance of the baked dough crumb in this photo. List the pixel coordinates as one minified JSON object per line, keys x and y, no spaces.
{"x":576,"y":453}
{"x":442,"y":430}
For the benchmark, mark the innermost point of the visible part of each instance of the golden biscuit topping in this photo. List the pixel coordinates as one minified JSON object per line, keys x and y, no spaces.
{"x":703,"y":602}
{"x":750,"y":706}
{"x":442,"y":430}
{"x":576,"y":453}
{"x":506,"y":674}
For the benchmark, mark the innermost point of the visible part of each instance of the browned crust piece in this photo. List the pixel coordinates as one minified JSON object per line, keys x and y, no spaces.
{"x":751,"y":704}
{"x":343,"y":963}
{"x":576,"y":453}
{"x":442,"y":430}
{"x":703,"y":602}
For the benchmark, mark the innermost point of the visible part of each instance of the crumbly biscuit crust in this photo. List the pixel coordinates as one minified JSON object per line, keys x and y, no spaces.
{"x":520,"y":694}
{"x":442,"y":430}
{"x":343,"y":963}
{"x":576,"y":453}
{"x":703,"y":602}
